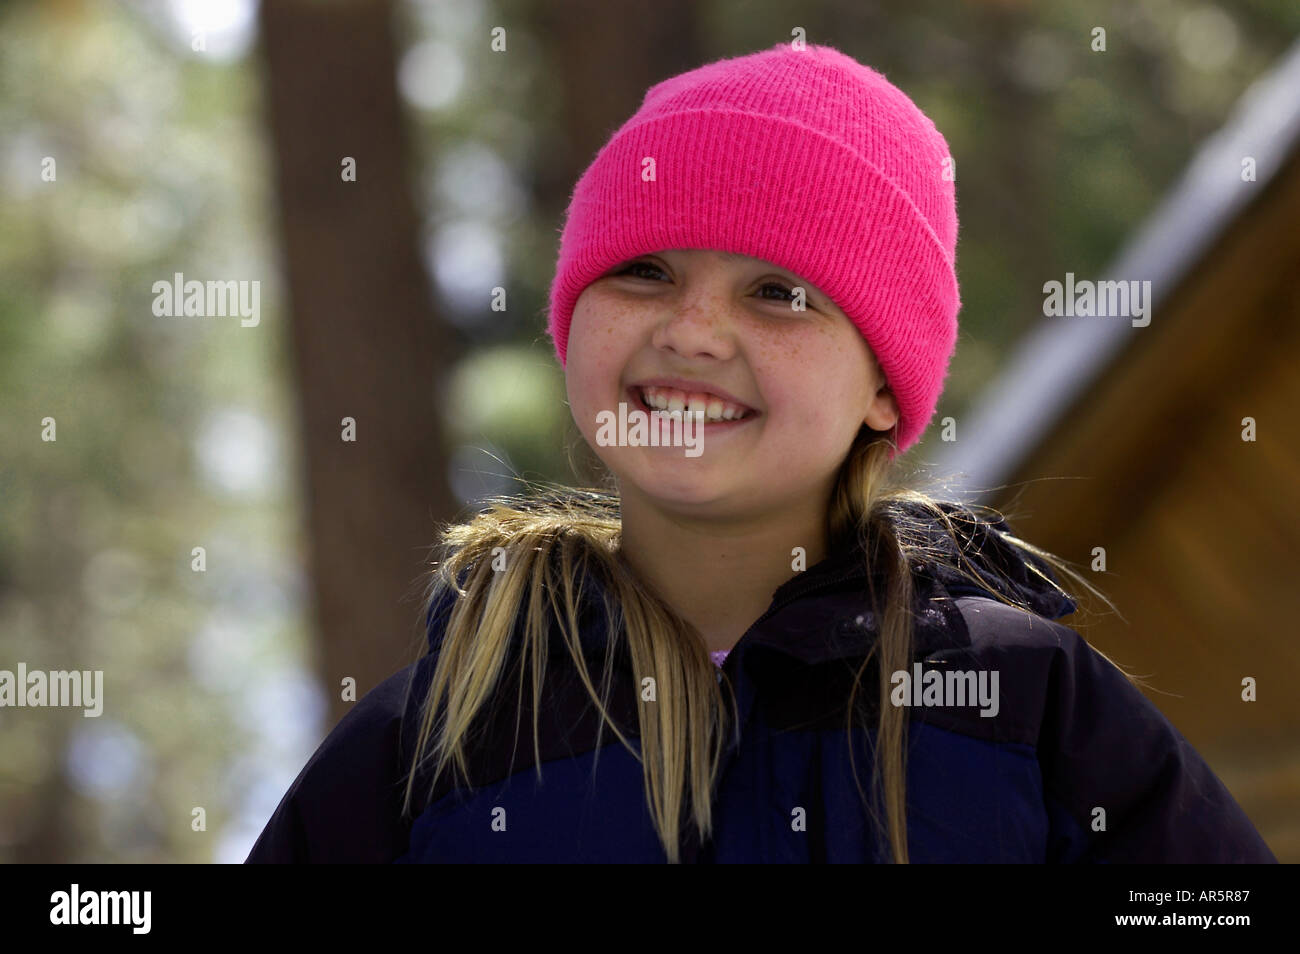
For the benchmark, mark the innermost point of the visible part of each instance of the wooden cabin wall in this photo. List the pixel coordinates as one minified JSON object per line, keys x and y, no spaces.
{"x":1201,"y":529}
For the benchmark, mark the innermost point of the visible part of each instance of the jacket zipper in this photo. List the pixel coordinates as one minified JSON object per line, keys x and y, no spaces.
{"x":694,"y":850}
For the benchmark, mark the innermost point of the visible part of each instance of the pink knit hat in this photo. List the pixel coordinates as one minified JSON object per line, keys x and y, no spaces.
{"x":807,"y":159}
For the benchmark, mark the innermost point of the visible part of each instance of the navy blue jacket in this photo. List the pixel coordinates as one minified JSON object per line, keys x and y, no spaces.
{"x":1071,"y":739}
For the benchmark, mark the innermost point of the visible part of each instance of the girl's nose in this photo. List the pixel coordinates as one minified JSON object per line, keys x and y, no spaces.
{"x":697,"y":327}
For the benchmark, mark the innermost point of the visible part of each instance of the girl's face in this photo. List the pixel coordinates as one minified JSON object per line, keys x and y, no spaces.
{"x":726,"y":323}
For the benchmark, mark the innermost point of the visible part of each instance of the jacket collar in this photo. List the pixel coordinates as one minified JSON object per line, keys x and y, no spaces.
{"x":1001,"y":567}
{"x":825,"y":612}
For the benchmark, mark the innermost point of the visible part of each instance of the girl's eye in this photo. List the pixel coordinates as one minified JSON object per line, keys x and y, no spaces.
{"x":779,"y":287}
{"x":635,"y":265}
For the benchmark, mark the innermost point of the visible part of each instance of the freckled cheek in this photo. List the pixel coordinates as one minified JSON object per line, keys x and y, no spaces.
{"x":599,"y":350}
{"x":797,"y":374}
{"x":806,"y":411}
{"x":605,"y":328}
{"x":583,"y":381}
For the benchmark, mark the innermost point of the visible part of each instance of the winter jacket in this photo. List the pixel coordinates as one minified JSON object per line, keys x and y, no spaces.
{"x":1071,"y":763}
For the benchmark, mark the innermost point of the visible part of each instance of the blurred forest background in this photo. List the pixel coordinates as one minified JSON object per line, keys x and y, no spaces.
{"x":207,"y":138}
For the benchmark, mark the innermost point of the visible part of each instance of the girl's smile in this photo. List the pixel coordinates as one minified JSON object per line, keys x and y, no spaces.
{"x":708,"y":412}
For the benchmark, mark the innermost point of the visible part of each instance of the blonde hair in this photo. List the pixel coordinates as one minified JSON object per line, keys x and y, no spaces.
{"x":554,"y":540}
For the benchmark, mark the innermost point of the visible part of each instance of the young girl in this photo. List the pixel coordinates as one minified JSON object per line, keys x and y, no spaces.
{"x":768,"y":651}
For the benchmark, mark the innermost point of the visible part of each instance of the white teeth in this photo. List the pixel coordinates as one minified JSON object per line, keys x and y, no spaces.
{"x":713,"y":410}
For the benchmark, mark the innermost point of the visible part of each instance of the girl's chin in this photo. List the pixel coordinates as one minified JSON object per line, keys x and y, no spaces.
{"x":696,"y":502}
{"x":684,"y":482}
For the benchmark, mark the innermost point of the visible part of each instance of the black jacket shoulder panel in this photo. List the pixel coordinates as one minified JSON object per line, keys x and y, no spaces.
{"x":1108,"y":755}
{"x":345,"y":804}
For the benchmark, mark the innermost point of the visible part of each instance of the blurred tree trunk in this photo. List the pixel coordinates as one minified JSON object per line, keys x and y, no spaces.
{"x":366,"y":343}
{"x":603,"y":57}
